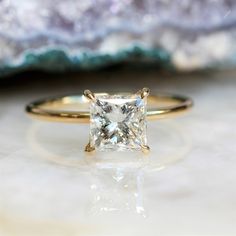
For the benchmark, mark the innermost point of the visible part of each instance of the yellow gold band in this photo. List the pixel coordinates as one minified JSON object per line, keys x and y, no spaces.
{"x":75,"y":108}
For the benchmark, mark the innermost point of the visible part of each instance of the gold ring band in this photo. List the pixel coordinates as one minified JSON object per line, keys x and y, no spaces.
{"x":75,"y":108}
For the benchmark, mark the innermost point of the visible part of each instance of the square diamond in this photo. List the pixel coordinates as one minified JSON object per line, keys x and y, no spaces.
{"x":118,"y":122}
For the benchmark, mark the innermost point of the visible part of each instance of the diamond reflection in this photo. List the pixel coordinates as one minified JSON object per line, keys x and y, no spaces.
{"x":117,"y":190}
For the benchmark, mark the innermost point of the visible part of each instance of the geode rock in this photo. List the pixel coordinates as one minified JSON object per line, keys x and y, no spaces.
{"x":59,"y":35}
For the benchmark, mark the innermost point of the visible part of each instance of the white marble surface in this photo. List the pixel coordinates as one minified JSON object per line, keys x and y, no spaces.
{"x":186,"y":186}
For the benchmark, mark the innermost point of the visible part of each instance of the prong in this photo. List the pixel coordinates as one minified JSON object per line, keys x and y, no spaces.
{"x":89,"y":148}
{"x":144,"y":92}
{"x":145,"y":149}
{"x":88,"y":94}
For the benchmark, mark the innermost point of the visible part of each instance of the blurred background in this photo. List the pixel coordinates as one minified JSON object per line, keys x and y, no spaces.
{"x":186,"y":186}
{"x":60,"y":36}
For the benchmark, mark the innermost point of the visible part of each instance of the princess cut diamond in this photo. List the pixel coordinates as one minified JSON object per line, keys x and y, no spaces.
{"x":118,"y":122}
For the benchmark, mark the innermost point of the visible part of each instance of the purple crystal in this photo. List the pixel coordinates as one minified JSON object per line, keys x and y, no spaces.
{"x":195,"y":34}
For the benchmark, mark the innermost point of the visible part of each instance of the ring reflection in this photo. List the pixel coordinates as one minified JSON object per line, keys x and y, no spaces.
{"x":116,"y":177}
{"x":64,"y":145}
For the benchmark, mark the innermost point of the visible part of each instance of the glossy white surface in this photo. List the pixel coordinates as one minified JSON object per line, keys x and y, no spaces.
{"x":186,"y":186}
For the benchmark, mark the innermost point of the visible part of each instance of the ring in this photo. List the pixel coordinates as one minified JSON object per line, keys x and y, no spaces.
{"x":118,"y":122}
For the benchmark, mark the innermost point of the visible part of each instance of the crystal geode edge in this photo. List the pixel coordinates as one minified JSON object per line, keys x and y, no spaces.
{"x":59,"y":60}
{"x":55,"y":35}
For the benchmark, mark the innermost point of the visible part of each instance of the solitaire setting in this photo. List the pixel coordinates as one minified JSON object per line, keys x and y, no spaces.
{"x":118,"y":122}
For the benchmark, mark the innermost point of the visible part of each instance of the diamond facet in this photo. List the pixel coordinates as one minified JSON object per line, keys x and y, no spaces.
{"x":118,"y":122}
